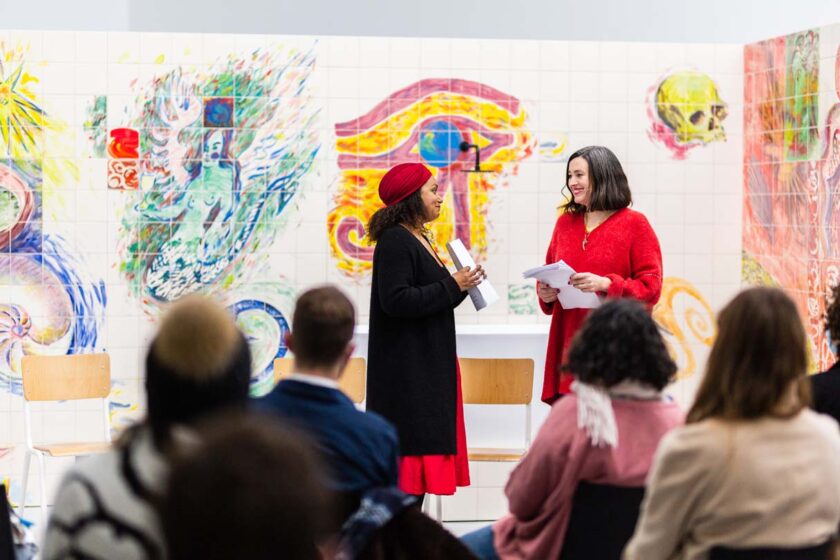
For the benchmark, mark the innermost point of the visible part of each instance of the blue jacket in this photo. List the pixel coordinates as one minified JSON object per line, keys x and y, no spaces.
{"x":359,"y":448}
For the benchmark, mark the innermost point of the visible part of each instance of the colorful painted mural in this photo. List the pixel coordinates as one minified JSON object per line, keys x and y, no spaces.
{"x":49,"y":304}
{"x":217,"y":157}
{"x":692,"y":325}
{"x":790,"y":178}
{"x":685,"y":111}
{"x":802,"y":85}
{"x":426,"y":122}
{"x":161,"y":165}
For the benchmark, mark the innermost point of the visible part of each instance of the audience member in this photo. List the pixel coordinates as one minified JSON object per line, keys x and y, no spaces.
{"x":389,"y":526}
{"x":825,"y":386}
{"x":359,"y":449}
{"x":198,"y":364}
{"x":604,"y":433}
{"x":250,"y":489}
{"x":753,"y":467}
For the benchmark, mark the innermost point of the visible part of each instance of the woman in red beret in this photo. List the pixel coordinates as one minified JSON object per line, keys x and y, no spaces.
{"x":413,"y":377}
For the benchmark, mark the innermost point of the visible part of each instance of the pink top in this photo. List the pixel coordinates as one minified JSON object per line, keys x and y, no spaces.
{"x":541,"y":488}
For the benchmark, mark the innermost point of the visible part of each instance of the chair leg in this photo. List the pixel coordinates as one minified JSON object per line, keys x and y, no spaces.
{"x":26,"y":458}
{"x":43,"y":475}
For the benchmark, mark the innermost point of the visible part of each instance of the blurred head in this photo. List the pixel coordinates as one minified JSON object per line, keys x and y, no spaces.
{"x":596,"y":181}
{"x":198,"y":364}
{"x":832,"y":319}
{"x":620,"y":341}
{"x":249,"y":489}
{"x":322,"y":330}
{"x":758,"y":360}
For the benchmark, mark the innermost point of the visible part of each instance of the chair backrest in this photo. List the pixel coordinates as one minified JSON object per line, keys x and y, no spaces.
{"x":7,"y":541}
{"x":822,"y":551}
{"x":66,"y":377}
{"x":497,"y":380}
{"x":352,"y":381}
{"x":602,"y":520}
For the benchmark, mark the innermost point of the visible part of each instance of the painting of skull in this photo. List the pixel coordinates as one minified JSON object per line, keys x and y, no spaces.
{"x":685,"y":111}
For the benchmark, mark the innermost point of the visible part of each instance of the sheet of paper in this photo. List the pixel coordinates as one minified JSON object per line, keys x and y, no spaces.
{"x":557,"y":275}
{"x":482,"y":295}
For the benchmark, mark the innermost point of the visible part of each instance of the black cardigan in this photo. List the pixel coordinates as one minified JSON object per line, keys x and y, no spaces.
{"x":825,"y":392}
{"x":411,"y":377}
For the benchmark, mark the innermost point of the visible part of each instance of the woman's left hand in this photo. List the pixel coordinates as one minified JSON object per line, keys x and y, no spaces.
{"x":588,"y":282}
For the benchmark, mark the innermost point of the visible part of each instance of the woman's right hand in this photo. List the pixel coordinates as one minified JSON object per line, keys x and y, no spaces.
{"x":469,"y":277}
{"x":547,"y":293}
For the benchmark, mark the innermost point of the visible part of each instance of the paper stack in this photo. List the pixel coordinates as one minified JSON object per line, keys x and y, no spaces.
{"x":482,"y":295}
{"x":557,"y":276}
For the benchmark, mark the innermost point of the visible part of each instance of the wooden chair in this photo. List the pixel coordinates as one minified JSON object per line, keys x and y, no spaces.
{"x":352,"y":381}
{"x":501,"y":381}
{"x":602,"y":520}
{"x":62,"y":378}
{"x":824,"y":551}
{"x":498,"y":381}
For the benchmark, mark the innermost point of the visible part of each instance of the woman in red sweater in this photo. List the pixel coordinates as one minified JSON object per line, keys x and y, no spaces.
{"x":613,"y":248}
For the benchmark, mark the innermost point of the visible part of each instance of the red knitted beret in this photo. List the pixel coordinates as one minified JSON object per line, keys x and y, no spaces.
{"x":401,"y":181}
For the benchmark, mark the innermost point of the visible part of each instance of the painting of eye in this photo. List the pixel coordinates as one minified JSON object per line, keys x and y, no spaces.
{"x":426,"y":122}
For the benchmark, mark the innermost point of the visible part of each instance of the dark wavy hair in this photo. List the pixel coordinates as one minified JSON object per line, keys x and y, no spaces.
{"x":620,"y":341}
{"x":407,"y":211}
{"x":610,"y":190}
{"x":832,"y":313}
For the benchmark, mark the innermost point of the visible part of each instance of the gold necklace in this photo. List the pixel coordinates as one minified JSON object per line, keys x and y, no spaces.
{"x":586,"y":233}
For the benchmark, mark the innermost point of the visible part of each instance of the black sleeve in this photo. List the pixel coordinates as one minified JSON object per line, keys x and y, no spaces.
{"x":397,"y":293}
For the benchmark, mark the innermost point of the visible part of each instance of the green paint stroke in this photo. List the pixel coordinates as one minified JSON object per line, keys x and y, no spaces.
{"x":802,"y":84}
{"x":522,"y":299}
{"x":95,"y":124}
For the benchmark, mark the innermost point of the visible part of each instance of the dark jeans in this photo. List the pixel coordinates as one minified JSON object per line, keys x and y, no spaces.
{"x":480,"y":543}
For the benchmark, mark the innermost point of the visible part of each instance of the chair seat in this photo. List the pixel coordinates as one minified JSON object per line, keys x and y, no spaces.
{"x":70,"y":449}
{"x":817,"y":552}
{"x":495,"y":454}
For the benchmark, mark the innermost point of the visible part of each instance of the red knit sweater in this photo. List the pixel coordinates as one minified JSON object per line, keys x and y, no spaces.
{"x":624,"y":249}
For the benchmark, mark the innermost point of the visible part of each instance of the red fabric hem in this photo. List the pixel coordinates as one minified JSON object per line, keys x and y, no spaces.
{"x":439,"y":474}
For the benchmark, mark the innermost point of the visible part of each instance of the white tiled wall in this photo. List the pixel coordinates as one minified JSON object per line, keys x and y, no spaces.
{"x":576,"y":92}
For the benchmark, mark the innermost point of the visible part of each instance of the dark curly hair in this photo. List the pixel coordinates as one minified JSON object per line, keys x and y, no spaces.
{"x":832,"y":313}
{"x":407,"y":211}
{"x":620,"y":341}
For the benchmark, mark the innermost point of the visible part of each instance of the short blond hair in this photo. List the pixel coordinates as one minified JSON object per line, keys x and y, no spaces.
{"x":197,"y":337}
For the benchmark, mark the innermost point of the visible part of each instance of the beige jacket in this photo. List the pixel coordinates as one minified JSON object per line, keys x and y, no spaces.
{"x":768,"y":482}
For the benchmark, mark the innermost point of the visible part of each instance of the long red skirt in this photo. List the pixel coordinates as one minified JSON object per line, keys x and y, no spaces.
{"x":439,"y":474}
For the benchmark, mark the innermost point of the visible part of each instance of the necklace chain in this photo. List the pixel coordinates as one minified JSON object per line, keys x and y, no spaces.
{"x":587,"y":231}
